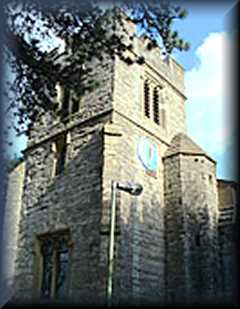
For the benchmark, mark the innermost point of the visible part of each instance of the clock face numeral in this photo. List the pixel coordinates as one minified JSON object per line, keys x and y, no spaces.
{"x":147,"y":154}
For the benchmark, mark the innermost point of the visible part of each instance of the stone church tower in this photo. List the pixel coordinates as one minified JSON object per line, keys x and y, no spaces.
{"x":131,"y":128}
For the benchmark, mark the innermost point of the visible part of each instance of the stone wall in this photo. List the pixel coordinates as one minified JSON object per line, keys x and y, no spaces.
{"x":93,"y":104}
{"x":11,"y":226}
{"x":102,"y":146}
{"x":191,"y":216}
{"x":199,"y":187}
{"x":227,"y":227}
{"x":167,"y":68}
{"x":175,"y":244}
{"x":139,"y":268}
{"x":69,"y":201}
{"x":128,"y":94}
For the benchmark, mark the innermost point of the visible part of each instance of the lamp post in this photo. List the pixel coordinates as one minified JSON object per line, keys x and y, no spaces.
{"x":133,"y":189}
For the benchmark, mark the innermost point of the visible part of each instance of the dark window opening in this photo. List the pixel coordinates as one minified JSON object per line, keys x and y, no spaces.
{"x":146,"y":99}
{"x":61,"y":149}
{"x":47,"y":252}
{"x":197,"y":240}
{"x":210,"y":178}
{"x":62,"y":263}
{"x":156,"y":105}
{"x":55,"y":258}
{"x":75,"y":106}
{"x":65,"y":103}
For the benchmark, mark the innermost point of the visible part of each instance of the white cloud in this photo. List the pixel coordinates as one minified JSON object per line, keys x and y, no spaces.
{"x":208,"y":109}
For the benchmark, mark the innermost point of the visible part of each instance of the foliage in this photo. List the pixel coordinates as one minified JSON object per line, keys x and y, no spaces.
{"x":88,"y":31}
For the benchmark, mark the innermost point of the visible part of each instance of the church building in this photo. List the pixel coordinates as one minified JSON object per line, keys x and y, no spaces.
{"x":174,"y":242}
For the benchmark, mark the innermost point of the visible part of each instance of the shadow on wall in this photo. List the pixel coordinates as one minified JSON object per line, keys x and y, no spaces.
{"x":139,"y":251}
{"x":199,"y":248}
{"x":70,"y":201}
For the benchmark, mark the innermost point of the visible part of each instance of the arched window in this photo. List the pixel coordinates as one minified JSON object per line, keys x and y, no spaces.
{"x":146,"y":99}
{"x":156,"y":105}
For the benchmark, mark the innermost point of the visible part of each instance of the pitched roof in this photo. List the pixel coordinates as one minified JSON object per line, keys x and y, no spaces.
{"x":183,"y":144}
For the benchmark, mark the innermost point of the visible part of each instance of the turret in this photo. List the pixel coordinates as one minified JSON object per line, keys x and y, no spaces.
{"x":191,"y":213}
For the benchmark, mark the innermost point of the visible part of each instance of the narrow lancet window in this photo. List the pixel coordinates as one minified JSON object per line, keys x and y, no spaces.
{"x":60,"y":149}
{"x":65,"y":103}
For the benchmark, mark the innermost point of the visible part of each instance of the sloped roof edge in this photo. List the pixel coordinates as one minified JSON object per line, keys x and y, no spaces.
{"x":183,"y":144}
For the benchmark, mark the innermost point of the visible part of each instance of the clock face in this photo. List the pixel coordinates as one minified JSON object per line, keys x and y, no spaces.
{"x":147,"y":154}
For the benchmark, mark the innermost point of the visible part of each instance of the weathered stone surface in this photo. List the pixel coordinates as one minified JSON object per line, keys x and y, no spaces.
{"x":228,"y":237}
{"x":11,"y":228}
{"x":191,"y":220}
{"x":140,"y":251}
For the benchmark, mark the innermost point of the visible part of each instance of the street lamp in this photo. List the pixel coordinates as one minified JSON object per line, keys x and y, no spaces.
{"x":133,"y":189}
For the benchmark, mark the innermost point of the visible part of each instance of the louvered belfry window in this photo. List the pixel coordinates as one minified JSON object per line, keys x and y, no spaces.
{"x":156,"y":105}
{"x":146,"y":99}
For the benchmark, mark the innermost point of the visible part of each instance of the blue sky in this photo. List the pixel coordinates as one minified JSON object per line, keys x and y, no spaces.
{"x":208,"y":108}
